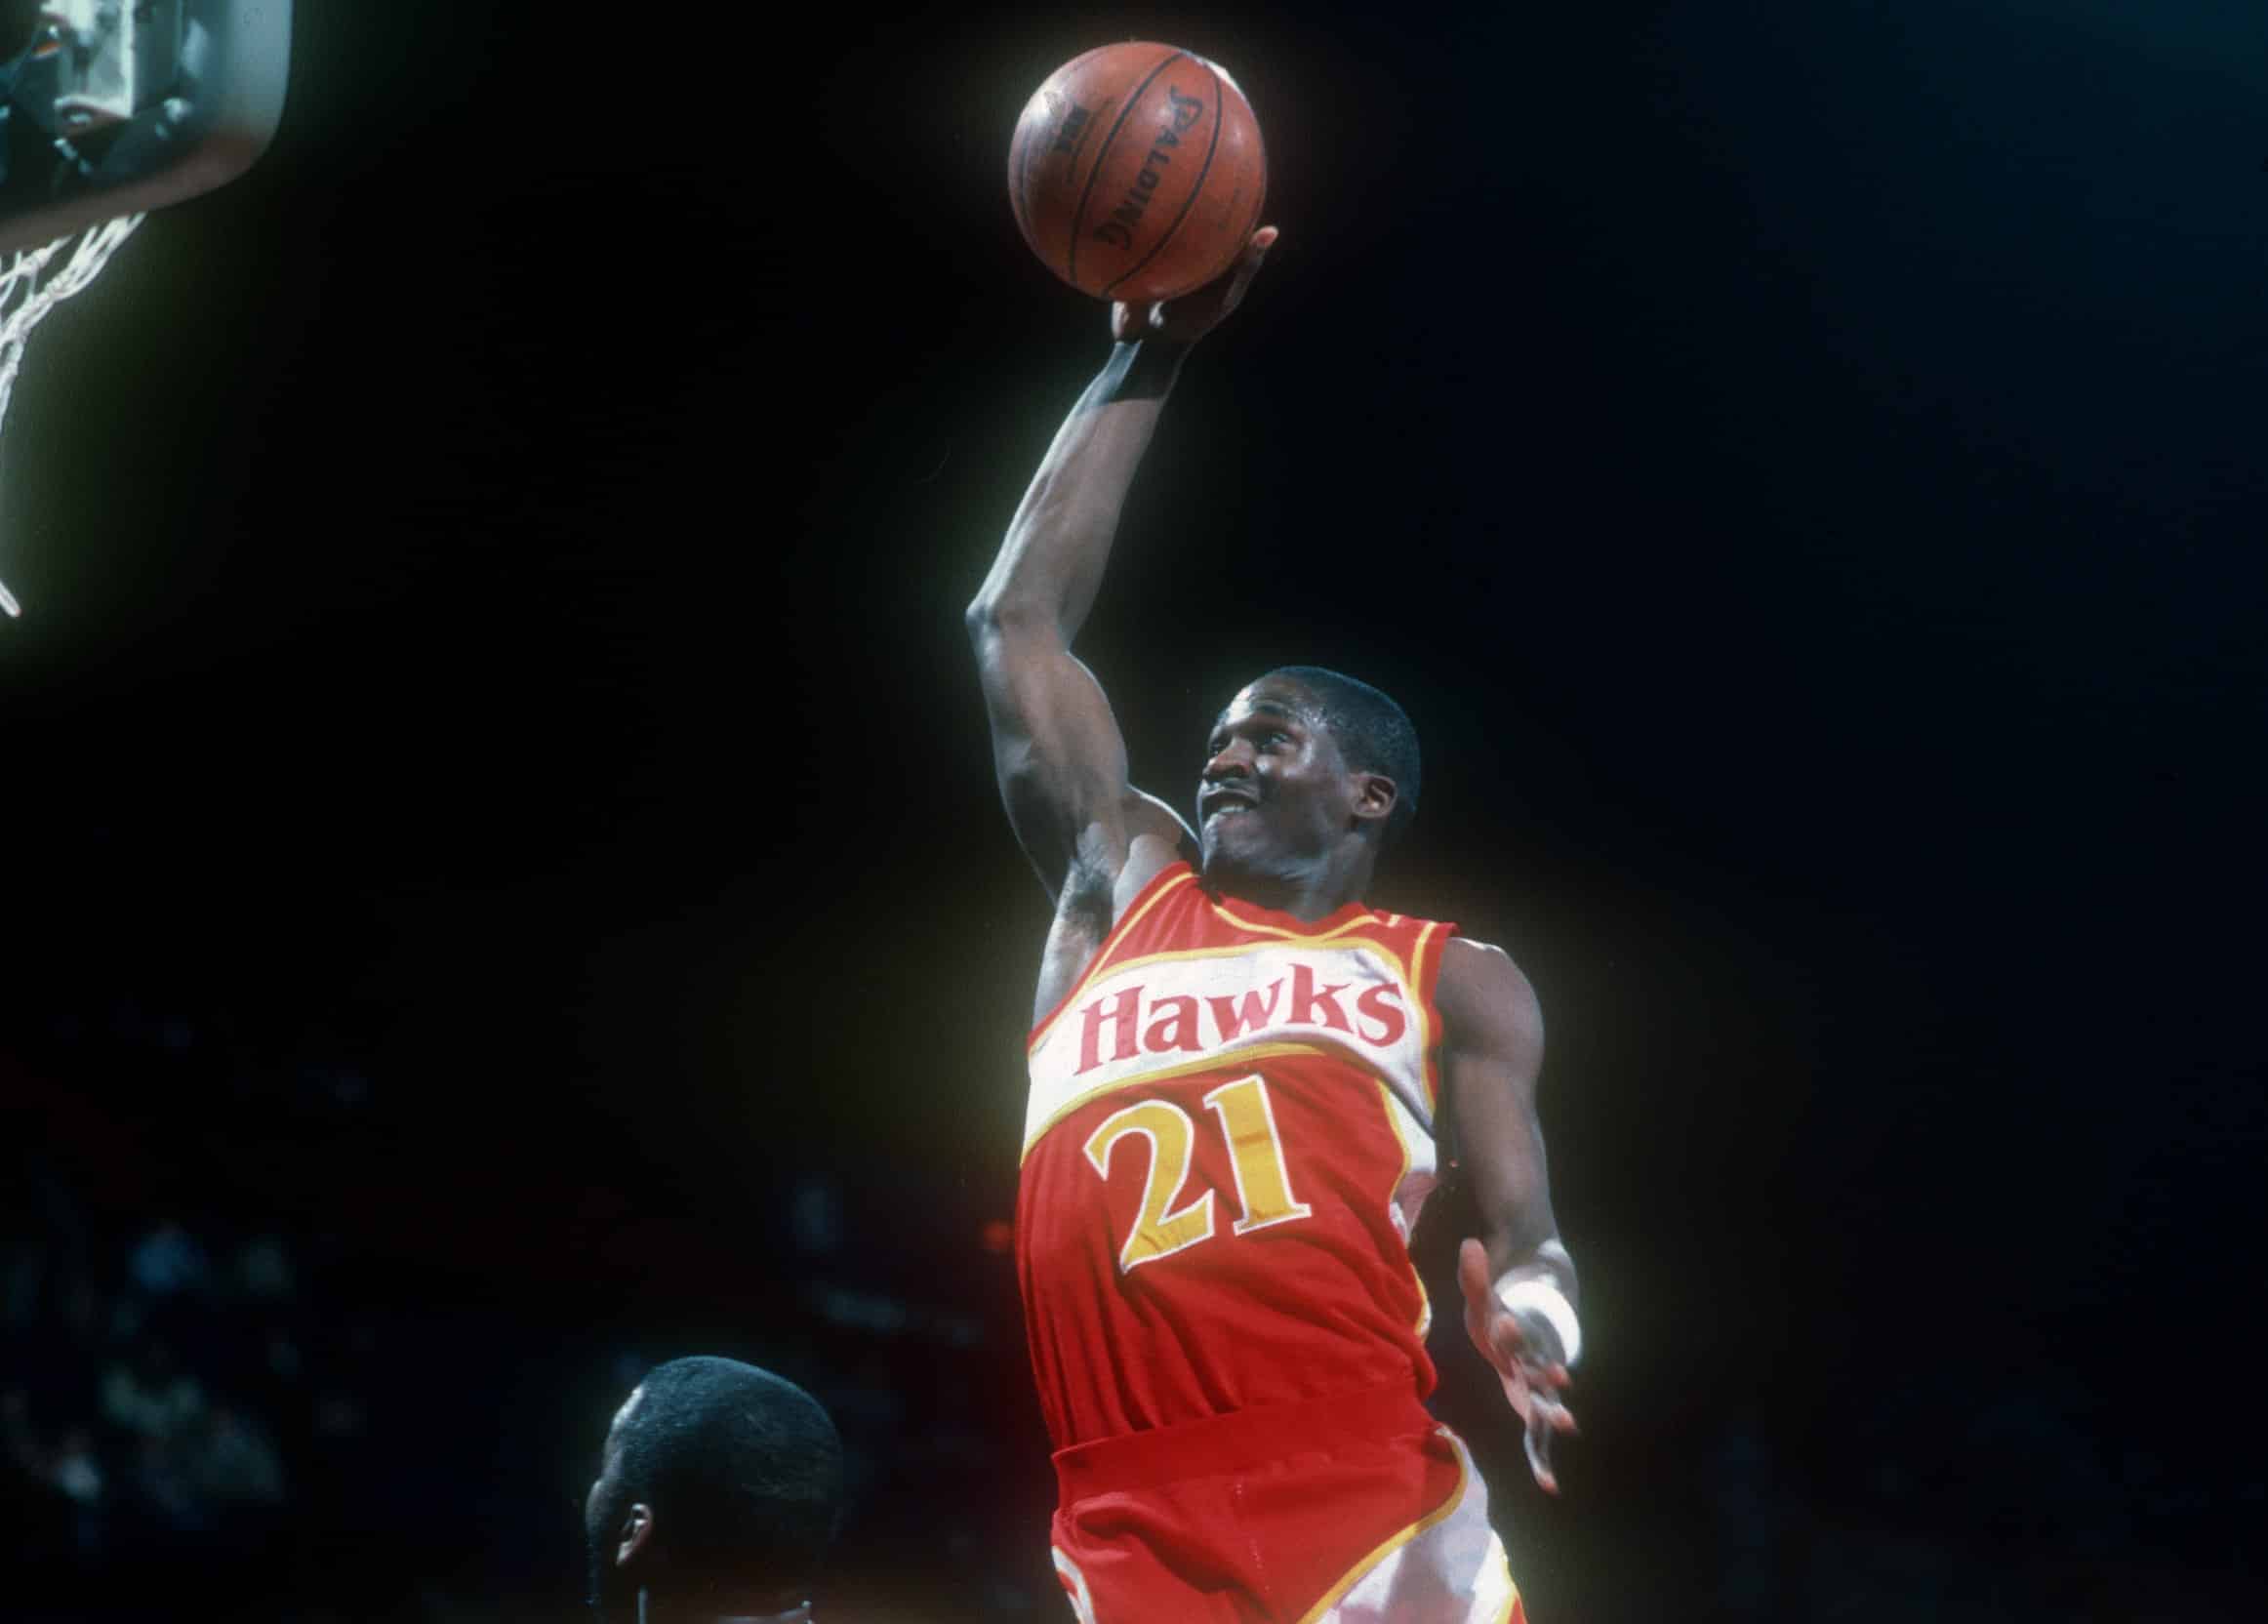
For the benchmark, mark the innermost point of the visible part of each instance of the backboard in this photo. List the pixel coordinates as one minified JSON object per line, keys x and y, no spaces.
{"x":111,"y":107}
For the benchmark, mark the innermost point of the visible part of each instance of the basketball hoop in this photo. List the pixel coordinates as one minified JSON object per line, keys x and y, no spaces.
{"x":110,"y":108}
{"x":34,"y":282}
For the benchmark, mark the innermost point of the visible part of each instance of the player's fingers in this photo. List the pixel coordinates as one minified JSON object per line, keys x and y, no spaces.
{"x":1509,"y":1345}
{"x":1516,"y":1394}
{"x":1536,"y":1443}
{"x":1473,"y":1274}
{"x":1249,"y":266}
{"x":1477,"y":1327}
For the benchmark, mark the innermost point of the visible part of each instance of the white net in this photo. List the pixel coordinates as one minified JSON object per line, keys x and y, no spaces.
{"x":34,"y":282}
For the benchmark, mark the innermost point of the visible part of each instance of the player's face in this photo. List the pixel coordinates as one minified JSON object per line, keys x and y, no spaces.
{"x":1276,"y":793}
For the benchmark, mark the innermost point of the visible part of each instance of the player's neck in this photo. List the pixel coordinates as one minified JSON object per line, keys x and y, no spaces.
{"x":1315,"y":894}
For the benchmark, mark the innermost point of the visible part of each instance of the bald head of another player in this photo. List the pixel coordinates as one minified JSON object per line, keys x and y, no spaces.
{"x":1306,"y":769}
{"x":719,"y":1490}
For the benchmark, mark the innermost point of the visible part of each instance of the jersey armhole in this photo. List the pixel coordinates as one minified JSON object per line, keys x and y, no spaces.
{"x":1426,"y":969}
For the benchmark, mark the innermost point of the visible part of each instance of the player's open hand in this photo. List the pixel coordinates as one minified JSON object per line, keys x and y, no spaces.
{"x":1192,"y":315}
{"x":1524,"y":1352}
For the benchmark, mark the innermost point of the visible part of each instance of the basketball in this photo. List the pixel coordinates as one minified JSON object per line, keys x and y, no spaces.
{"x":1136,"y":171}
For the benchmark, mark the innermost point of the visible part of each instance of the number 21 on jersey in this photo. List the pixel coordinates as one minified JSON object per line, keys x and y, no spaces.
{"x":1247,"y":1121}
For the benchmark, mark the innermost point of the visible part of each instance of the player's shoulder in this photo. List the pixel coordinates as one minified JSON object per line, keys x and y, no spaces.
{"x":1480,"y":987}
{"x":1483,"y":964}
{"x":1157,"y":838}
{"x":1156,"y":843}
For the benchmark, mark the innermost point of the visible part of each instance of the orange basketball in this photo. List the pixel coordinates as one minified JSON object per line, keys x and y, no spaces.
{"x":1136,"y":171}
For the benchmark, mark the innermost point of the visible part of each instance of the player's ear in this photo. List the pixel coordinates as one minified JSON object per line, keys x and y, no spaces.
{"x":1376,"y":797}
{"x":638,"y":1528}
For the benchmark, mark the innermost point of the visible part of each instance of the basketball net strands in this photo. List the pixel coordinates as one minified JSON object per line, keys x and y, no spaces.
{"x":110,"y":108}
{"x":29,"y":291}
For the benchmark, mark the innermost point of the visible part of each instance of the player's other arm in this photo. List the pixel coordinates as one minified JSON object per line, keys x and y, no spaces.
{"x":1056,"y":745}
{"x":1517,"y":1279}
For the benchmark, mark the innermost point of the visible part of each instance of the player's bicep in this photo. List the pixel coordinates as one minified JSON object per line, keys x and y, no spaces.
{"x":1057,"y":751}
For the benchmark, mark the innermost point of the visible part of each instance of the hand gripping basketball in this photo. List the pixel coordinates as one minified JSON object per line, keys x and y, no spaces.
{"x":1524,"y":1357}
{"x":1192,"y":315}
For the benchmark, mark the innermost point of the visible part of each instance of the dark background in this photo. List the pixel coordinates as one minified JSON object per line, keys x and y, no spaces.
{"x":496,"y":799}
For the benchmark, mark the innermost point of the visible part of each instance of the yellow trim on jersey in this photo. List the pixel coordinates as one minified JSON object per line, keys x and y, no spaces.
{"x":1230,"y":1060}
{"x":1426,"y":1060}
{"x":1393,"y":959}
{"x":1511,"y":1602}
{"x":1365,"y":917}
{"x":1394,"y":1109}
{"x":1388,"y":1547}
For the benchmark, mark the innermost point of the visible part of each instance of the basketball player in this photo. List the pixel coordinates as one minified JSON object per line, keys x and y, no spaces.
{"x":1235,"y":1079}
{"x":720,"y":1487}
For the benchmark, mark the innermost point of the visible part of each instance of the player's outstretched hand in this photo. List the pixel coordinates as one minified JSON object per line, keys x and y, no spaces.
{"x":1192,"y":315}
{"x":1523,"y":1350}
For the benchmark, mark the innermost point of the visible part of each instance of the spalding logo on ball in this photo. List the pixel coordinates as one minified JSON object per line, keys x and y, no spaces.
{"x":1135,"y":172}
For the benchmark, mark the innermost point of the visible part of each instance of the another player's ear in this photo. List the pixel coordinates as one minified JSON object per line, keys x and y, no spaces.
{"x":1375,"y":795}
{"x":638,"y":1528}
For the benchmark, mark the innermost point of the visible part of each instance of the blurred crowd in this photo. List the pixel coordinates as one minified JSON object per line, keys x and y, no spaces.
{"x":156,"y":1383}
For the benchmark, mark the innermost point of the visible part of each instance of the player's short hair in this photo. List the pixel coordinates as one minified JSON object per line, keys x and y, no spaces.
{"x":742,"y":1468}
{"x":1374,"y":734}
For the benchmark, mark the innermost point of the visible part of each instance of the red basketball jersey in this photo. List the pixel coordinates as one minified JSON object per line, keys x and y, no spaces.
{"x":1228,"y":1139}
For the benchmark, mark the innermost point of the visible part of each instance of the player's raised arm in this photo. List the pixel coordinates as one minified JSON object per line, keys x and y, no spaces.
{"x":1517,"y":1279}
{"x":1056,"y":747}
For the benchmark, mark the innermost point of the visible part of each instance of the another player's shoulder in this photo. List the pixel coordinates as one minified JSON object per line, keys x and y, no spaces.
{"x":1484,"y":995}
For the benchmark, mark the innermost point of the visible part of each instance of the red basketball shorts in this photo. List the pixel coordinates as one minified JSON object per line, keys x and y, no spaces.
{"x":1359,"y":1509}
